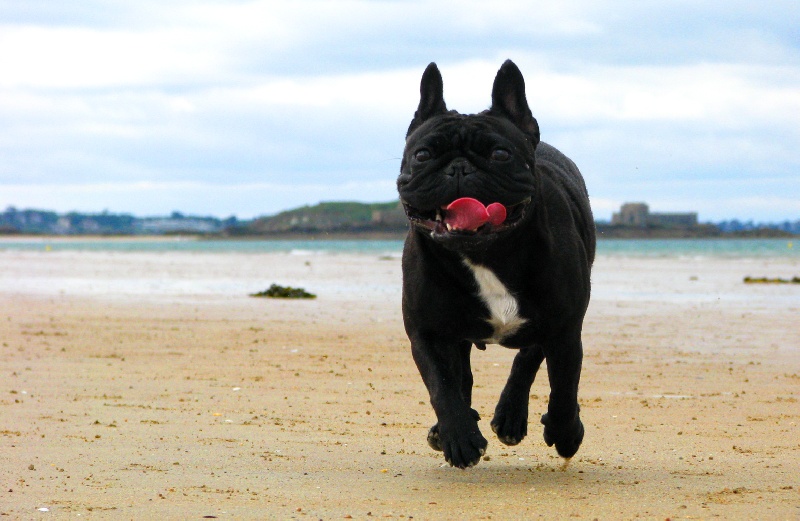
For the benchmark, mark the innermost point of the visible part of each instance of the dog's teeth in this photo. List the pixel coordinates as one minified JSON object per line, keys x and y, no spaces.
{"x":438,"y":215}
{"x":449,"y":228}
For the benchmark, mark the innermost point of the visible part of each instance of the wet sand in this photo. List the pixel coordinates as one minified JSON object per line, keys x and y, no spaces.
{"x":150,"y":386}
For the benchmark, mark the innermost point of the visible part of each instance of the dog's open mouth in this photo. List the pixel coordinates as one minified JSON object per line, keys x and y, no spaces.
{"x":467,"y":217}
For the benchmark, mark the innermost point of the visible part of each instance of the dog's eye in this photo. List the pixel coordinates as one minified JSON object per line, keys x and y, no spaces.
{"x":500,"y":154}
{"x":422,"y":155}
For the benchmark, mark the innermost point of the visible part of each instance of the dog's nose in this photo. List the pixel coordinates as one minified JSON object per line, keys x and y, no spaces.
{"x":460,"y":167}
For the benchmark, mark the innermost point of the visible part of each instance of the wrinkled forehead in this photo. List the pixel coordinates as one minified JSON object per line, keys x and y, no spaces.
{"x":461,"y":129}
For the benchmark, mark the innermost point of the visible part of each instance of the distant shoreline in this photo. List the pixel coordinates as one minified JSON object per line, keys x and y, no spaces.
{"x":602,"y":233}
{"x":347,"y":221}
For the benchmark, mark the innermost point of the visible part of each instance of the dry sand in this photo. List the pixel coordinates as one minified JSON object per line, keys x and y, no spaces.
{"x":150,"y":386}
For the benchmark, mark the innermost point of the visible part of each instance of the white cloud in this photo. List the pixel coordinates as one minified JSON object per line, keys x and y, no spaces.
{"x":71,"y":58}
{"x":383,"y":91}
{"x":721,"y":94}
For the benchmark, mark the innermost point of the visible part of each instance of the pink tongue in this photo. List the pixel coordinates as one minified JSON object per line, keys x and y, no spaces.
{"x":470,"y":214}
{"x":497,"y":213}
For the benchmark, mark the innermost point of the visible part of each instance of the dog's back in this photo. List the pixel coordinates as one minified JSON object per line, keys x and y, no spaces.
{"x":561,"y":174}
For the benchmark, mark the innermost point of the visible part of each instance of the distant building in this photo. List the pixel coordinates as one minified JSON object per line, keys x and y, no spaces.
{"x":631,"y":214}
{"x":638,"y":215}
{"x":177,"y":224}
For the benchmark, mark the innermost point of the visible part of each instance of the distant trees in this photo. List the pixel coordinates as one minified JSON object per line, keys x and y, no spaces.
{"x":327,"y":217}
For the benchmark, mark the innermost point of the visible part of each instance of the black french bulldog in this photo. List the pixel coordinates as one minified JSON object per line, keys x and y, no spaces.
{"x":499,"y":251}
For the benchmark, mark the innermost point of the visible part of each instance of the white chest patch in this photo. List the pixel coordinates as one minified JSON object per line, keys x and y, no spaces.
{"x":503,"y":307}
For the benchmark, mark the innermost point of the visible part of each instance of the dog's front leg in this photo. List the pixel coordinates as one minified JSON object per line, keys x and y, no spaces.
{"x":445,"y":369}
{"x":562,"y":423}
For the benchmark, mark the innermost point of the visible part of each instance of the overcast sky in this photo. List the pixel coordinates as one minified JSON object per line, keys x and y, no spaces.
{"x":252,"y":107}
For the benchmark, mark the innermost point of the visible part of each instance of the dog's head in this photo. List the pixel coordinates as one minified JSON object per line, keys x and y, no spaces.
{"x":484,"y":162}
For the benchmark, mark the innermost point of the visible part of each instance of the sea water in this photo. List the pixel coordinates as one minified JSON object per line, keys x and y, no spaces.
{"x":665,"y":248}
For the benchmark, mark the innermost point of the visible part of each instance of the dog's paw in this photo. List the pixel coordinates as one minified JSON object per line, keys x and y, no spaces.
{"x":566,"y":437}
{"x":433,"y":433}
{"x":465,"y":451}
{"x":460,"y":440}
{"x":510,"y":424}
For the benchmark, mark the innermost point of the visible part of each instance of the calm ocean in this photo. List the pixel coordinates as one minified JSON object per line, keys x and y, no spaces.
{"x":733,"y":248}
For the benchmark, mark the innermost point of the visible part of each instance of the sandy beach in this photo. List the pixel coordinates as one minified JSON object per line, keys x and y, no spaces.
{"x":150,"y":386}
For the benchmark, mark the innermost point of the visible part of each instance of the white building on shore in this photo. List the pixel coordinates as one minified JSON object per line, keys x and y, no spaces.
{"x":639,"y":215}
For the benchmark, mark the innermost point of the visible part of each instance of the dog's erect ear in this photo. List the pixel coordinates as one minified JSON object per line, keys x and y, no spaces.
{"x":508,"y":99}
{"x":431,"y":100}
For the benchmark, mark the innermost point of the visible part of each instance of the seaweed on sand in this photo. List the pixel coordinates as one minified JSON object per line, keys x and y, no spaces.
{"x":766,"y":280}
{"x":276,"y":291}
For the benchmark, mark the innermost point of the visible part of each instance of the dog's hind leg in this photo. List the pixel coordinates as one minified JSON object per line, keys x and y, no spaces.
{"x":510,"y":421}
{"x":562,"y":424}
